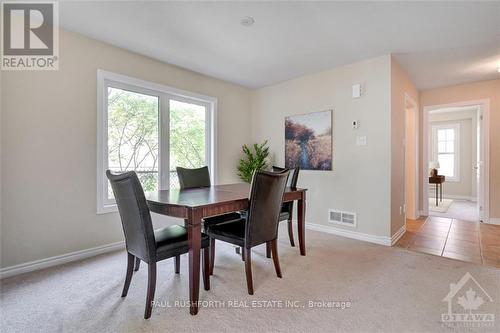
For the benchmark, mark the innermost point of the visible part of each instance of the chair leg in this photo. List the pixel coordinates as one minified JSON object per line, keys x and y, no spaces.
{"x":290,"y":231}
{"x":238,"y":250}
{"x":177,"y":264}
{"x":243,"y":255}
{"x":268,"y":250}
{"x":248,"y":269}
{"x":276,"y":260}
{"x":212,"y":255}
{"x":151,"y":289}
{"x":137,"y":264}
{"x":206,"y":268}
{"x":128,"y":276}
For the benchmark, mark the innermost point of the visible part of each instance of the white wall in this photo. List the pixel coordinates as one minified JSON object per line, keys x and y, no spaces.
{"x":48,"y":142}
{"x":360,"y":180}
{"x":467,"y":186}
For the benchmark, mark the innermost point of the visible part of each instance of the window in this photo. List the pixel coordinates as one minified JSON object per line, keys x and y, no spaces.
{"x":151,"y":129}
{"x":445,"y":150}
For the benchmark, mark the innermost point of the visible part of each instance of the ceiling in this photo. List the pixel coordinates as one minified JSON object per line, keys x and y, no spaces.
{"x":437,"y":43}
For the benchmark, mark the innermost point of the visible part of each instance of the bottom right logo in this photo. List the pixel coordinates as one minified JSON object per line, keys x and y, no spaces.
{"x":466,"y":301}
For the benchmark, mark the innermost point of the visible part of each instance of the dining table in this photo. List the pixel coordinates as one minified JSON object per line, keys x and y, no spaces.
{"x":195,"y":204}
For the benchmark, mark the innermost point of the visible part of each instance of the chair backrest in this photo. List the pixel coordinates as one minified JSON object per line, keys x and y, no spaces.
{"x":134,"y":213}
{"x":293,"y":177}
{"x":291,"y":182}
{"x":190,"y":178}
{"x":266,"y":197}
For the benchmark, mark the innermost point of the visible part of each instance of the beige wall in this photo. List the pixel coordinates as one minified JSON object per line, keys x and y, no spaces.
{"x":401,"y":87}
{"x":411,"y":165}
{"x":466,"y":187}
{"x":48,"y":134}
{"x":360,"y":180}
{"x":469,"y":92}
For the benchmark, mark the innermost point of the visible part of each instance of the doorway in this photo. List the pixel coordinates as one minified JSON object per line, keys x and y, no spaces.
{"x":455,"y":146}
{"x":455,"y":233}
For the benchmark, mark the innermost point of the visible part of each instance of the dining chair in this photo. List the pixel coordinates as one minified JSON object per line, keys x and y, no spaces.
{"x":143,"y":242}
{"x":286,"y":213}
{"x":196,"y":178}
{"x":259,"y":225}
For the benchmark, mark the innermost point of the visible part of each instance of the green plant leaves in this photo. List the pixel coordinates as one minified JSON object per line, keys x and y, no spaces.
{"x":255,"y":158}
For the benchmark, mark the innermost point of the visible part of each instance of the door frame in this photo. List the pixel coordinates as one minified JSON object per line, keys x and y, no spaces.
{"x":484,"y":142}
{"x":414,"y":106}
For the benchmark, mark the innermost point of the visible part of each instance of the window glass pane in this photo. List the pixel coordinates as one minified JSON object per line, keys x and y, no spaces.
{"x":450,"y":147}
{"x":447,"y":164}
{"x":442,"y":147}
{"x":441,"y":135}
{"x":133,"y":135}
{"x":450,"y":134}
{"x":187,"y":138}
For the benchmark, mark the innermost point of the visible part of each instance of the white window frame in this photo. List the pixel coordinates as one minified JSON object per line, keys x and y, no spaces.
{"x":456,"y":148}
{"x":165,"y":93}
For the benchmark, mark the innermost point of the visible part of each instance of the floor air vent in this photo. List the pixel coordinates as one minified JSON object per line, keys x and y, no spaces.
{"x":344,"y":218}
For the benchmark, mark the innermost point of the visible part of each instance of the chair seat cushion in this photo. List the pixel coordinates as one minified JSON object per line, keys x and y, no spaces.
{"x":220,"y":219}
{"x":173,"y":240}
{"x":232,"y":232}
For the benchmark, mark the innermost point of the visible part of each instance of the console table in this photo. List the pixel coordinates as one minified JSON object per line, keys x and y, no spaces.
{"x":438,"y":180}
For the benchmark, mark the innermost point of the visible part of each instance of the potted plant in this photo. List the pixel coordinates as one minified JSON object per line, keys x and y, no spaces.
{"x":253,"y":159}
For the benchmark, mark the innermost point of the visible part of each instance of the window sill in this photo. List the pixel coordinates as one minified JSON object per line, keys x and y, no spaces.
{"x":107,"y":209}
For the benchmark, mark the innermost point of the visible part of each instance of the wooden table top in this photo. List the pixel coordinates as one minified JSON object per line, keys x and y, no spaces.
{"x":436,"y":179}
{"x":206,"y":196}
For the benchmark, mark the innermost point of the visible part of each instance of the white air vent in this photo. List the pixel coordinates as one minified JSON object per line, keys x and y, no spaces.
{"x":344,"y":218}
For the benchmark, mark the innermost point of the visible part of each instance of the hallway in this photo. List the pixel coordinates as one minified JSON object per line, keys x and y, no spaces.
{"x":465,"y":210}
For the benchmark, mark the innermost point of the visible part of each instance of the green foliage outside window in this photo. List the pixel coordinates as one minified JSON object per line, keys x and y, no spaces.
{"x":133,"y":136}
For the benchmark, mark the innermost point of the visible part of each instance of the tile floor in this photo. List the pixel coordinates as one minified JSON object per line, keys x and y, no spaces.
{"x":452,"y":238}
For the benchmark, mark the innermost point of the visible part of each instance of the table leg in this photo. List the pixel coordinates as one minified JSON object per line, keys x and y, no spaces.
{"x":437,"y":204}
{"x":441,"y":192}
{"x":301,"y":213}
{"x":194,"y":242}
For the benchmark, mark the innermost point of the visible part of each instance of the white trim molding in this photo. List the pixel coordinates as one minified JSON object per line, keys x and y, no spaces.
{"x":59,"y":260}
{"x":494,"y":220}
{"x":483,"y":197}
{"x":165,"y":94}
{"x":398,"y":235}
{"x":381,"y":240}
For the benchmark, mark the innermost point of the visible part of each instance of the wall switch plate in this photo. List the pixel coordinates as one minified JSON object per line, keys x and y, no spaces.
{"x":355,"y":124}
{"x":361,"y":140}
{"x":356,"y":90}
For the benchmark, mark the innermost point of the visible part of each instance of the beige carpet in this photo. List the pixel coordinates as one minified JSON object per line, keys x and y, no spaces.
{"x":442,"y":206}
{"x":391,"y":290}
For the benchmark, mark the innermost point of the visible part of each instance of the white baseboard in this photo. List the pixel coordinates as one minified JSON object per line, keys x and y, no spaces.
{"x":382,"y":240}
{"x":494,"y":220}
{"x":454,"y":197}
{"x":398,"y":235}
{"x":423,"y":213}
{"x":59,"y":260}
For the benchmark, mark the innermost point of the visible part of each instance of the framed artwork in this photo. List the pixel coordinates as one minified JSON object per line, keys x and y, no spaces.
{"x":308,"y":141}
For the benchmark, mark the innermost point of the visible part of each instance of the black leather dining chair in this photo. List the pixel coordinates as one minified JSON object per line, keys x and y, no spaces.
{"x":286,"y":213}
{"x":200,"y":177}
{"x":259,"y":225}
{"x":142,"y":241}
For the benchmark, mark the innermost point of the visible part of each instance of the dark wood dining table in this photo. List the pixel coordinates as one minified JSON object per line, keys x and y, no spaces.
{"x":193,"y":205}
